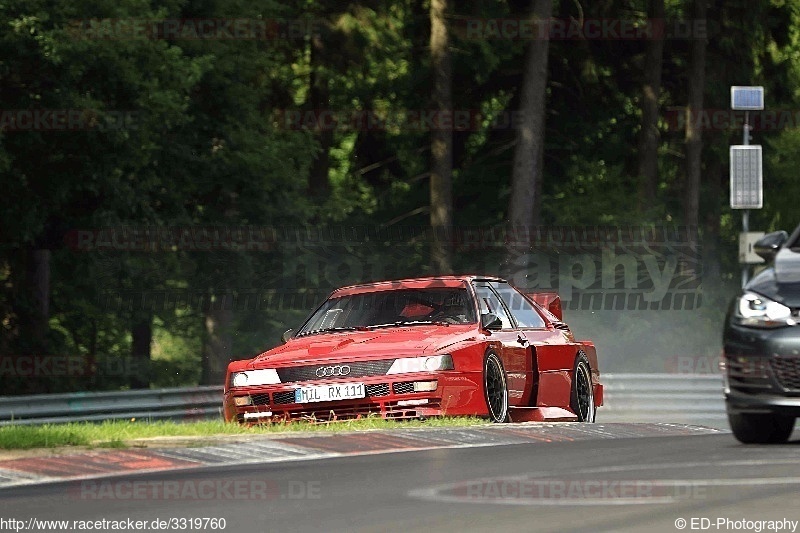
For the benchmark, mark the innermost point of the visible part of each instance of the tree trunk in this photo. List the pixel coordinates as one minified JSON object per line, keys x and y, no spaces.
{"x":40,"y":292}
{"x":536,"y":218}
{"x":33,"y":308}
{"x":217,"y":348}
{"x":142,"y":334}
{"x":441,"y":180}
{"x":710,"y":253}
{"x":218,"y":312}
{"x":649,"y":134}
{"x":319,"y":101}
{"x":27,"y":313}
{"x":694,"y":140}
{"x":528,"y":162}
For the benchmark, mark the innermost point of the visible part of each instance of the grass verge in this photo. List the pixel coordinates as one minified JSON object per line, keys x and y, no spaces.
{"x":115,"y":434}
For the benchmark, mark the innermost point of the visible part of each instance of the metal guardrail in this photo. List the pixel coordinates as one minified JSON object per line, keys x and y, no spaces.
{"x":687,"y":399}
{"x":680,"y":398}
{"x":147,"y":404}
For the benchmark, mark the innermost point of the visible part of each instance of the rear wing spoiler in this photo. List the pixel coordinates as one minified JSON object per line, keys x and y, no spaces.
{"x":549,"y":300}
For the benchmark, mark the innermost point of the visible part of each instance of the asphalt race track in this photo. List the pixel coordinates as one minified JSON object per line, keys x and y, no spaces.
{"x":606,"y":484}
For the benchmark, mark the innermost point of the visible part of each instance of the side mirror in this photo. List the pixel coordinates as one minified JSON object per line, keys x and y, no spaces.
{"x":767,"y":246}
{"x":286,"y":336}
{"x":491,"y":321}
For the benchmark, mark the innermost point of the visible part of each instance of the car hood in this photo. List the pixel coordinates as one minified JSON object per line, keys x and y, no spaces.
{"x":780,"y":282}
{"x":787,"y":266}
{"x":372,"y":344}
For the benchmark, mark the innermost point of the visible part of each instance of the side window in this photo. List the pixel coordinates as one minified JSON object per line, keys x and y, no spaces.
{"x":524,"y":312}
{"x":489,"y":303}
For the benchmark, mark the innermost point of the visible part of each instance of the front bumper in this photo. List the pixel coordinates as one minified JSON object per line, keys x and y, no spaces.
{"x":737,"y":403}
{"x":393,"y":397}
{"x":762,"y":370}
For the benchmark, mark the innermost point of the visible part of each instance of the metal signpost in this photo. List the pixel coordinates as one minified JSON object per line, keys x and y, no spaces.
{"x":747,"y":191}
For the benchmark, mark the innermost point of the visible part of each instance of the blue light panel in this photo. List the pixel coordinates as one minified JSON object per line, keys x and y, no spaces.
{"x":747,"y":189}
{"x":747,"y":98}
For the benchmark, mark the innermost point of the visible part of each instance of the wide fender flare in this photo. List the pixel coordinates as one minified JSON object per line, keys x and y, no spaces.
{"x":589,"y":350}
{"x":468,"y":355}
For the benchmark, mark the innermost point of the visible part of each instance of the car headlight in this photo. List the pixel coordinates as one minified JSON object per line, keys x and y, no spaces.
{"x":759,"y":311}
{"x":430,"y":363}
{"x":265,"y":376}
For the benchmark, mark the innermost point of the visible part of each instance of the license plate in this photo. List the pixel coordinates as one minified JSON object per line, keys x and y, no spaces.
{"x":329,"y":393}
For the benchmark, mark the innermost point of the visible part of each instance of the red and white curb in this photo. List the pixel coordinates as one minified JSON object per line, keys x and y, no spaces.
{"x":281,"y":448}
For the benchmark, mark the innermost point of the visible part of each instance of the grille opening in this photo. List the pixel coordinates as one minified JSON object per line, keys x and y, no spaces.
{"x":355,"y":370}
{"x":787,"y":372}
{"x":371,"y":390}
{"x":283,"y":397}
{"x":403,"y":387}
{"x":335,"y":413}
{"x":260,"y":399}
{"x":747,"y":374}
{"x":406,"y":413}
{"x":379,"y":389}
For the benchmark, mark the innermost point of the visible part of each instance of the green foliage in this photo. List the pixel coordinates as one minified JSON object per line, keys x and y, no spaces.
{"x":206,"y":147}
{"x":124,"y":433}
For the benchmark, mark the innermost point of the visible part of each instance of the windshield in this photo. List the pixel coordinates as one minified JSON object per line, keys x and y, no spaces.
{"x":392,"y":308}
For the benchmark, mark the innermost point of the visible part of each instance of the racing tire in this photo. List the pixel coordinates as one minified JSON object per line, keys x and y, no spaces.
{"x":495,"y":388}
{"x":768,"y":428}
{"x":582,"y":394}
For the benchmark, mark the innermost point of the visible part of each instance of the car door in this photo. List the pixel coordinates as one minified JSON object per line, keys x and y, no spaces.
{"x":552,"y":354}
{"x":514,"y":351}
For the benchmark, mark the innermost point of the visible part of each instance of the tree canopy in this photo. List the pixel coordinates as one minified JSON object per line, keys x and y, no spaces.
{"x":183,"y":180}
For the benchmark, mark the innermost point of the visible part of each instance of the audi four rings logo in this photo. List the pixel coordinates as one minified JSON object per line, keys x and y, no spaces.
{"x":329,"y":371}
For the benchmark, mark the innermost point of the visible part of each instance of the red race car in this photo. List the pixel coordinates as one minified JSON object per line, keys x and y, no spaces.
{"x":415,"y":348}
